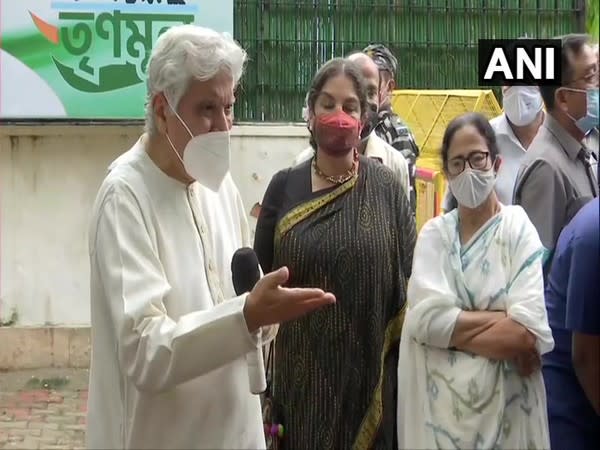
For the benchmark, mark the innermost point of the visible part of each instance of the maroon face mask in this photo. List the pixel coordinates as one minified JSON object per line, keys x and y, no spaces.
{"x":337,"y":134}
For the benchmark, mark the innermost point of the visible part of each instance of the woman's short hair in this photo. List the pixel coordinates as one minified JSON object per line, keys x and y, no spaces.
{"x":331,"y":69}
{"x":188,"y":52}
{"x":481,"y":123}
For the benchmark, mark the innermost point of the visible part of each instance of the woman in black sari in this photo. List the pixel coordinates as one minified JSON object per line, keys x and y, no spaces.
{"x":341,"y":222}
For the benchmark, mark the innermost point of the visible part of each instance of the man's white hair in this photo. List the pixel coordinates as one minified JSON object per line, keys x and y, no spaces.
{"x":185,"y":53}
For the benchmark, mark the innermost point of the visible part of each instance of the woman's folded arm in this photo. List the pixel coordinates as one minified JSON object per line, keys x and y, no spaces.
{"x":492,"y":334}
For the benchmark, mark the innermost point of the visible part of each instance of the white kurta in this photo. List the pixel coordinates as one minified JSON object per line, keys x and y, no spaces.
{"x":169,"y":338}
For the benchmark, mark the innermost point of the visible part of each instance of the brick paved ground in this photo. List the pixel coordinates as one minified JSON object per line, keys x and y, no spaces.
{"x":43,"y":409}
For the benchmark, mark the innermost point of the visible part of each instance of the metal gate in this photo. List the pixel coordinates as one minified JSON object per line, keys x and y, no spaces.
{"x":435,"y":41}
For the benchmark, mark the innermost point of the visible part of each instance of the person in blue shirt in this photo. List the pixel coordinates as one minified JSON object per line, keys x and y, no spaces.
{"x":572,"y":369}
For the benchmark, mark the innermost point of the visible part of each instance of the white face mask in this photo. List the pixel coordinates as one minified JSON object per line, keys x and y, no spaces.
{"x":206,"y":157}
{"x":522,"y":104}
{"x":472,"y":187}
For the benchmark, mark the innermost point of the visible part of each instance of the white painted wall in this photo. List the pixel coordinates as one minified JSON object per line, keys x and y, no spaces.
{"x":49,"y":176}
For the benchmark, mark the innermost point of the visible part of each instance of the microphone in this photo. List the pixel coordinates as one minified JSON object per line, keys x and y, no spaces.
{"x":245,"y":274}
{"x":244,"y":270}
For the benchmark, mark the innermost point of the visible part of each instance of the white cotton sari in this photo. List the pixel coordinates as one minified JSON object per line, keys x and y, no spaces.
{"x":456,"y":400}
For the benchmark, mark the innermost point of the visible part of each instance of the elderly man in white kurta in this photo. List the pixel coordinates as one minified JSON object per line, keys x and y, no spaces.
{"x":174,"y":350}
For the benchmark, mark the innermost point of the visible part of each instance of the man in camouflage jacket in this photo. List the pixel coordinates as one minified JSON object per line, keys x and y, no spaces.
{"x":387,"y":125}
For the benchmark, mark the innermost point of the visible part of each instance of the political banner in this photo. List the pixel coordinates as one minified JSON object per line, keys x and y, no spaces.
{"x":87,"y":59}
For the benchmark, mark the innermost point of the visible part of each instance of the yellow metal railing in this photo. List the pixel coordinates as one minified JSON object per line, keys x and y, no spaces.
{"x":428,"y":113}
{"x":430,"y":187}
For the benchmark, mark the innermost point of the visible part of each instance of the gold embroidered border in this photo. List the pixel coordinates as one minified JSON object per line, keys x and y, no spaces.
{"x":370,"y":424}
{"x":305,"y":210}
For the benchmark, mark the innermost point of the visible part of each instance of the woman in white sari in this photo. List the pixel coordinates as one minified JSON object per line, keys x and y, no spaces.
{"x":476,"y":324}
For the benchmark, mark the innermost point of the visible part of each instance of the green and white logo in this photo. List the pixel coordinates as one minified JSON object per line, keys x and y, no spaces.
{"x":87,"y":59}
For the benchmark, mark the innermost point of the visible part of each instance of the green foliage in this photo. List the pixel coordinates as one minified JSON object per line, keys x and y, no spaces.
{"x":49,"y":384}
{"x":593,"y":18}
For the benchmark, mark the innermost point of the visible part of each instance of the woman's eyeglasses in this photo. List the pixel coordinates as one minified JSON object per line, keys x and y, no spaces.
{"x":476,"y":160}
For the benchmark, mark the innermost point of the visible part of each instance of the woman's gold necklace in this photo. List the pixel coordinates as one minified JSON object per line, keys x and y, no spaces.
{"x":337,"y":179}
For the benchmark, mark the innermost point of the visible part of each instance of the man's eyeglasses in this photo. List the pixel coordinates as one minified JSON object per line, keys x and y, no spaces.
{"x":476,"y":160}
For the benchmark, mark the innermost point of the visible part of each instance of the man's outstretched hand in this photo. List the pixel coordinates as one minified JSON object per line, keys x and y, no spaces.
{"x":270,"y":304}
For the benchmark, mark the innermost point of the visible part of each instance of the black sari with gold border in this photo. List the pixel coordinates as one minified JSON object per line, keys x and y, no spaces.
{"x":336,"y":369}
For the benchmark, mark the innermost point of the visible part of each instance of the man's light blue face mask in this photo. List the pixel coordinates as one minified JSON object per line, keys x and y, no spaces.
{"x":590,"y":119}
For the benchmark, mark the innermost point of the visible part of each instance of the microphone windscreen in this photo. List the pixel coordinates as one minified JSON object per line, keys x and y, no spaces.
{"x":245,"y":273}
{"x":244,"y":270}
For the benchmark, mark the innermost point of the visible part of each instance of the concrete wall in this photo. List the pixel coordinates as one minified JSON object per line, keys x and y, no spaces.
{"x":49,"y":176}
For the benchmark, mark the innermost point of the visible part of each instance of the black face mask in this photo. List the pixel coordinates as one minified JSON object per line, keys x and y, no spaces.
{"x":371,"y":121}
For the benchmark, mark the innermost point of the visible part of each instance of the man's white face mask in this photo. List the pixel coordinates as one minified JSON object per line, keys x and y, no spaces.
{"x":522,"y":104}
{"x":206,"y":157}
